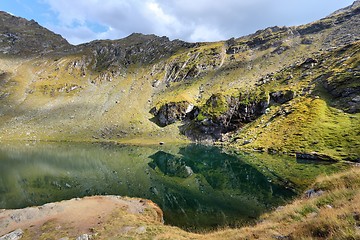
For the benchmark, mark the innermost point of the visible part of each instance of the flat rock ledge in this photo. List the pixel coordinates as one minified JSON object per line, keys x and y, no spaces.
{"x":79,"y":218}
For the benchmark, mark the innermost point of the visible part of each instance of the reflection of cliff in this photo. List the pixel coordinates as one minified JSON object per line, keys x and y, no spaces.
{"x":170,"y":165}
{"x":220,"y":170}
{"x":204,"y":186}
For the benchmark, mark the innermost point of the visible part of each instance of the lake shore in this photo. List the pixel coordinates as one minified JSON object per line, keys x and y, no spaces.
{"x":332,"y":213}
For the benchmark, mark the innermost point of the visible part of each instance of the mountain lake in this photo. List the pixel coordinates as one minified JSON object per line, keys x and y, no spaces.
{"x":199,"y":188}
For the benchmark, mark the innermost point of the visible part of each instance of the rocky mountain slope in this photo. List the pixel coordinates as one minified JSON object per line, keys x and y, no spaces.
{"x":281,"y":89}
{"x":21,"y":37}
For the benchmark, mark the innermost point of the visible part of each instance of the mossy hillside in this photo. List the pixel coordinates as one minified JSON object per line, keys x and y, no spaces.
{"x":69,"y":97}
{"x":312,"y":126}
{"x":90,"y":91}
{"x":238,"y":69}
{"x":214,"y":107}
{"x":268,"y":51}
{"x":185,"y":73}
{"x":314,"y":120}
{"x":54,"y":80}
{"x":219,"y":104}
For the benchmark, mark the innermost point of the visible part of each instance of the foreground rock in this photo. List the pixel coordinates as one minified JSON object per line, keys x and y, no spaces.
{"x":80,"y":218}
{"x":15,"y":235}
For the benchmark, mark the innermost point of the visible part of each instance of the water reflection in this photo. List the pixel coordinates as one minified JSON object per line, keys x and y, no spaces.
{"x":198,"y":187}
{"x":218,"y":188}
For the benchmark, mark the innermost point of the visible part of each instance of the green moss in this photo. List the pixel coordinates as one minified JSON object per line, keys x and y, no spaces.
{"x":311,"y":126}
{"x":215,"y":106}
{"x":200,"y":117}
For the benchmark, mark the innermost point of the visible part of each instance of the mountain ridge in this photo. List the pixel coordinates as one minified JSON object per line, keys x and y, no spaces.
{"x":20,"y":36}
{"x":148,"y":87}
{"x":139,"y":36}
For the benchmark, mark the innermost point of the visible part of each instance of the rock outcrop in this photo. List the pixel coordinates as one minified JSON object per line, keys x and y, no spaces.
{"x":220,"y":114}
{"x":223,"y":114}
{"x":135,"y":49}
{"x":14,"y":235}
{"x":19,"y":36}
{"x":172,"y":112}
{"x":281,"y":97}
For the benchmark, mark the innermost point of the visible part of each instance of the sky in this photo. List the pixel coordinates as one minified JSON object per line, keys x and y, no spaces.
{"x":82,"y":21}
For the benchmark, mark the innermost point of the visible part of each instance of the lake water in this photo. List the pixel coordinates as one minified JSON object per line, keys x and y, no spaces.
{"x":198,"y":187}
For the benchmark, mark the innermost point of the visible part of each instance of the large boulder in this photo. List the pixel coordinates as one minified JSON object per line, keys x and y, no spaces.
{"x":172,"y":112}
{"x":15,"y":235}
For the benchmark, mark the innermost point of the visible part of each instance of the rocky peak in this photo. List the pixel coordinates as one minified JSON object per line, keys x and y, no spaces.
{"x":356,"y":3}
{"x":353,"y":6}
{"x":19,"y":36}
{"x":134,"y":49}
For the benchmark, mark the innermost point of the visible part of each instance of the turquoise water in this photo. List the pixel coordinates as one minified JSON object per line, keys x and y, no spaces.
{"x":198,"y":187}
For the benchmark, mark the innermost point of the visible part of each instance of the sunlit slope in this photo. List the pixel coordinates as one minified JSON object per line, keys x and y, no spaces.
{"x":51,"y":100}
{"x":323,"y":116}
{"x":104,"y":90}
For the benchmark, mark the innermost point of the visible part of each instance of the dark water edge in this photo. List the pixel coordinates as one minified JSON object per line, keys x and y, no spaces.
{"x":198,"y":187}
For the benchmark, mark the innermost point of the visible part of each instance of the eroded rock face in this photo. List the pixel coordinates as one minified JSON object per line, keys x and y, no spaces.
{"x":172,"y":112}
{"x":136,"y":48}
{"x":343,"y":84}
{"x":248,"y":112}
{"x":347,"y":96}
{"x":281,"y":97}
{"x":221,"y":116}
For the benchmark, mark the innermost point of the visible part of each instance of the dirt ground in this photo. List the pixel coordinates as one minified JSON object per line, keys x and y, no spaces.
{"x":73,"y":217}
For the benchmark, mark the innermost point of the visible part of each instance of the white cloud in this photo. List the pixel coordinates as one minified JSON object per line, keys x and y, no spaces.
{"x":204,"y":34}
{"x":79,"y":34}
{"x":190,"y":20}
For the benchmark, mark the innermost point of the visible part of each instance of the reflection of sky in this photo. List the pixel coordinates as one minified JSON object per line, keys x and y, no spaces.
{"x":200,"y":20}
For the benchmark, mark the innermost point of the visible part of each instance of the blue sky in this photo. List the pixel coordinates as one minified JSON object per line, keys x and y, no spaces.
{"x":81,"y":21}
